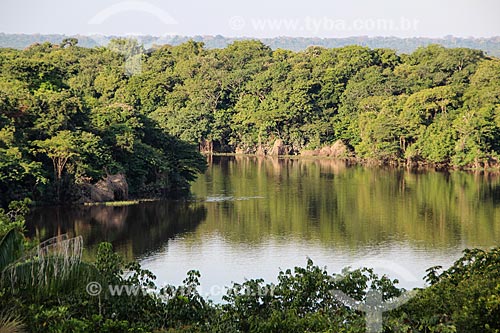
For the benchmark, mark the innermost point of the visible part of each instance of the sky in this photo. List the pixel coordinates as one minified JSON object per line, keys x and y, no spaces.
{"x":256,"y":18}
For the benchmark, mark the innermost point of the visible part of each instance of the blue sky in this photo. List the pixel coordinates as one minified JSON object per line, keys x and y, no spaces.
{"x":256,"y":18}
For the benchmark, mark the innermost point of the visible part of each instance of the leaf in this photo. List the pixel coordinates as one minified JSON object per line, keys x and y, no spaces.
{"x":11,"y":248}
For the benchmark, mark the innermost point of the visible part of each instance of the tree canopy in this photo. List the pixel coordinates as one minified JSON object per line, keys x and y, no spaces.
{"x":71,"y":115}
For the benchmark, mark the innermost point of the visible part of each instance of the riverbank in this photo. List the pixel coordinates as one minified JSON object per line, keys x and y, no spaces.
{"x":369,"y":162}
{"x":121,"y":203}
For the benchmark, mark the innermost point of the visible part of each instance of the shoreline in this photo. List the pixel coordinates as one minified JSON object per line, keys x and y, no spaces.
{"x":355,"y":161}
{"x":349,"y":162}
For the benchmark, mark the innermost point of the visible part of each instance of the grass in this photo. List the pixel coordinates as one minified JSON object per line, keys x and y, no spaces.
{"x":10,"y":323}
{"x":118,"y":203}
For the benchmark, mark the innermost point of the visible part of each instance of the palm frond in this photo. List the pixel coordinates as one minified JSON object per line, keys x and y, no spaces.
{"x":55,"y":265}
{"x":10,"y":323}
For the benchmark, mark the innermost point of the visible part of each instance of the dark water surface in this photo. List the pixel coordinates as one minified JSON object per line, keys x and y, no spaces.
{"x":251,"y":217}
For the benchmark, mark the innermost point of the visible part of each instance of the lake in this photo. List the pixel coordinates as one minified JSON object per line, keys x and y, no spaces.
{"x":249,"y":217}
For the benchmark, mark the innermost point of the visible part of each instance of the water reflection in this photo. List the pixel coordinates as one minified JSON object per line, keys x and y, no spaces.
{"x":337,"y":205}
{"x":251,"y":216}
{"x":135,"y":230}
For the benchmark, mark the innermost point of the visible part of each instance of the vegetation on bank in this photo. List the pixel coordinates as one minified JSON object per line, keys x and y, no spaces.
{"x":118,"y":203}
{"x":67,"y":135}
{"x":44,"y":288}
{"x":71,"y":116}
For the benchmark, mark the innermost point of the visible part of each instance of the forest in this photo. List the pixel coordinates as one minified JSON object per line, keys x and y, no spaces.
{"x":64,"y":127}
{"x":72,"y":115}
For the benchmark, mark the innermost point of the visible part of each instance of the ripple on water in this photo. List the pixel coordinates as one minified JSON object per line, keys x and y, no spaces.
{"x":221,"y":198}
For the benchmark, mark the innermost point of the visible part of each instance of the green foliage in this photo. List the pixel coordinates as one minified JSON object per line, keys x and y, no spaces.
{"x":438,"y":140}
{"x":463,"y":298}
{"x":185,"y":306}
{"x":13,"y":218}
{"x":108,"y":263}
{"x":387,"y":107}
{"x":76,"y":112}
{"x":141,"y":306}
{"x":303,"y":300}
{"x":11,"y":248}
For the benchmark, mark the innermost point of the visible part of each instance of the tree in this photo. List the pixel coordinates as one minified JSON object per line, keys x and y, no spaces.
{"x":421,"y":108}
{"x":60,"y":149}
{"x":379,"y":129}
{"x":437,"y":144}
{"x":477,"y":137}
{"x":68,"y":42}
{"x":56,"y":110}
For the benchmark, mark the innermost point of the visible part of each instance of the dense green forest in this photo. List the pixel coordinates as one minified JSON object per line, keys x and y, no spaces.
{"x":436,"y":105}
{"x":71,"y":115}
{"x":65,"y":123}
{"x":45,"y":288}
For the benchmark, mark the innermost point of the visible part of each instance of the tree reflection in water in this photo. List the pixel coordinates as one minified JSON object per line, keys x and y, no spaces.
{"x":134,"y":230}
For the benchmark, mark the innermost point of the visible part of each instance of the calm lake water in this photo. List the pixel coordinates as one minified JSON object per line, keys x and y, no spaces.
{"x":250,"y":217}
